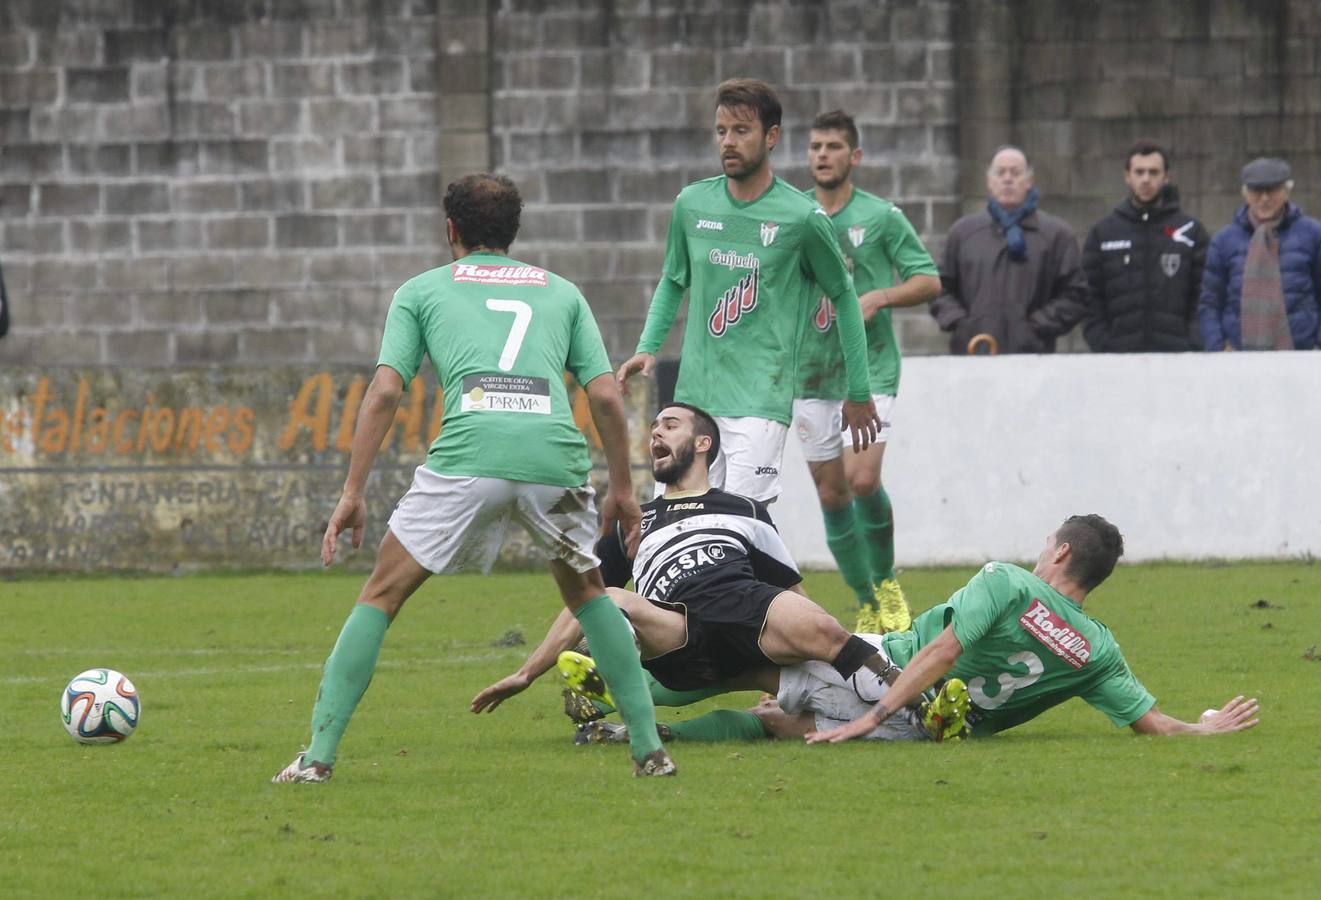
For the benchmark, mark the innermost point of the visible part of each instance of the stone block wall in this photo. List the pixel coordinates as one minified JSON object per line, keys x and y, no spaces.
{"x":197,"y":181}
{"x":603,"y":110}
{"x":189,"y":182}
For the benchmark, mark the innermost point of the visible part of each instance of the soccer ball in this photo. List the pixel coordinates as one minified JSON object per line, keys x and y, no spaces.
{"x":100,"y":706}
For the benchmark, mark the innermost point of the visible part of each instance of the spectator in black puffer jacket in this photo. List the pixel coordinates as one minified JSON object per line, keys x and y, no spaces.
{"x":1144,"y":265}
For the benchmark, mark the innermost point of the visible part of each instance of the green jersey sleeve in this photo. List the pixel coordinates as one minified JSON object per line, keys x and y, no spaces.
{"x":402,"y":344}
{"x":587,"y":354}
{"x":905,"y":248}
{"x":676,"y":275}
{"x":1120,"y":695}
{"x":827,"y":268}
{"x":977,"y":606}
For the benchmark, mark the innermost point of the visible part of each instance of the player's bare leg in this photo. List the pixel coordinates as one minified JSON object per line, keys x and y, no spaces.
{"x":352,"y":662}
{"x":797,"y":630}
{"x":611,"y":641}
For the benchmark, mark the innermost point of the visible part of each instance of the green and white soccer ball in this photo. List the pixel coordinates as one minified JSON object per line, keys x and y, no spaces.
{"x":100,"y":706}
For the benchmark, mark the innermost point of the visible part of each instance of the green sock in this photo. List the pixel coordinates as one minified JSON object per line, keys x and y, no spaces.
{"x":845,"y":542}
{"x":615,"y":655}
{"x":344,"y":679}
{"x":720,"y":725}
{"x":663,"y":696}
{"x":877,"y":521}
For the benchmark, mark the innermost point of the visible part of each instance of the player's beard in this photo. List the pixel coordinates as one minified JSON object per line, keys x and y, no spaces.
{"x":668,"y":471}
{"x":745,"y":168}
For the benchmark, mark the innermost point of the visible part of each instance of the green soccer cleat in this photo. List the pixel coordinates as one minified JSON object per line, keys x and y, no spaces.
{"x":894,"y":613}
{"x":580,"y":674}
{"x":869,"y":621}
{"x":946,"y":717}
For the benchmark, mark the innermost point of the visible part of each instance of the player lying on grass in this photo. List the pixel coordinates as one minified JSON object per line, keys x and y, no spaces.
{"x":723,"y":597}
{"x":508,"y":448}
{"x":1019,"y":640}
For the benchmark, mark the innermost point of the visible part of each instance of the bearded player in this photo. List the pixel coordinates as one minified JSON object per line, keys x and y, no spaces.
{"x":746,"y":247}
{"x":500,"y":334}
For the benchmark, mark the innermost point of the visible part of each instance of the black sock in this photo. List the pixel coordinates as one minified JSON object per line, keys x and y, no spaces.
{"x":853,"y":656}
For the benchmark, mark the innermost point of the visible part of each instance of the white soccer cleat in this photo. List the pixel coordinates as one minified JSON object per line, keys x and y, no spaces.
{"x":297,"y":773}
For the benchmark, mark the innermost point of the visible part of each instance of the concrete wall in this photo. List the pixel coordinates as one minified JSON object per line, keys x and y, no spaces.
{"x":203,"y":182}
{"x":1191,"y":456}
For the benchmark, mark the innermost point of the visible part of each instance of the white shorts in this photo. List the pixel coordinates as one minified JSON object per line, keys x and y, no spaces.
{"x":816,"y":687}
{"x":455,"y":523}
{"x":819,"y":424}
{"x":751,"y":450}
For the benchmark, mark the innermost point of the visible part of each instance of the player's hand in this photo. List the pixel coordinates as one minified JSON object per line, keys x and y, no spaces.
{"x":499,"y":692}
{"x":621,"y":507}
{"x":873,"y":302}
{"x":638,"y":362}
{"x":860,"y":726}
{"x":350,"y":513}
{"x":862,"y":422}
{"x":1236,"y":715}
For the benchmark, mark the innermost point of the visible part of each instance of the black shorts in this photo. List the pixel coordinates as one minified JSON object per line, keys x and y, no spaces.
{"x":725,"y":622}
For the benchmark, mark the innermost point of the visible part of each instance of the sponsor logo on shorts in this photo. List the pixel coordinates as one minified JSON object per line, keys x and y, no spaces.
{"x":1056,"y":634}
{"x":472,"y":273}
{"x":1116,"y":245}
{"x":734,"y":259}
{"x":733,"y":304}
{"x":765,"y":470}
{"x":710,"y":225}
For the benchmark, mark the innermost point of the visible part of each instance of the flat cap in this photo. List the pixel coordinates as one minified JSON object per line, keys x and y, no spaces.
{"x":1265,"y":172}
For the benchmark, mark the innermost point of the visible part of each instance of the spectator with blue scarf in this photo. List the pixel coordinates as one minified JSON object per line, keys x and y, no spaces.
{"x":1011,"y":276}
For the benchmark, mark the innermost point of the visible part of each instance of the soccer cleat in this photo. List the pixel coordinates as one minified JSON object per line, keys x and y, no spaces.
{"x":602,"y":732}
{"x":297,"y":773}
{"x":657,"y":762}
{"x":894,"y":613}
{"x":946,"y":717}
{"x":579,"y":708}
{"x":869,"y":621}
{"x":580,"y":674}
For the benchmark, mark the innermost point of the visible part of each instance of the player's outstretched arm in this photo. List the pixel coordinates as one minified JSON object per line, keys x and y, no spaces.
{"x":1238,"y":714}
{"x":611,"y":422}
{"x":374,"y":417}
{"x":564,"y":633}
{"x":927,"y":665}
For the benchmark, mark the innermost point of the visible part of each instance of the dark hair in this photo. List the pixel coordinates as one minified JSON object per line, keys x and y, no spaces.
{"x":703,"y":424}
{"x":838,"y":120}
{"x":485,"y":210}
{"x":1145,"y":147}
{"x":1094,"y":547}
{"x":757,"y":96}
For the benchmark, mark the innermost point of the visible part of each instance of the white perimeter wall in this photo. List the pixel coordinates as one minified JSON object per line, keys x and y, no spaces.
{"x":1190,"y":455}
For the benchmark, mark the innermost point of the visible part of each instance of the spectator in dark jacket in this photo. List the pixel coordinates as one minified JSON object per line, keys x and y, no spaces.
{"x":1262,"y":286}
{"x":1144,"y":265}
{"x":1011,"y":275}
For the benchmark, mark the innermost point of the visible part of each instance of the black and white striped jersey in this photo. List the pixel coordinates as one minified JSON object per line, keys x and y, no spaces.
{"x":696,"y":542}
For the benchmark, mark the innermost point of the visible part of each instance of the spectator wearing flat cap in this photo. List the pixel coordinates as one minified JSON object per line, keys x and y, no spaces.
{"x":1262,"y":286}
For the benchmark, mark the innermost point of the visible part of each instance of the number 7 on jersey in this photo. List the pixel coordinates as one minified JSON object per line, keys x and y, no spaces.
{"x":522,"y":317}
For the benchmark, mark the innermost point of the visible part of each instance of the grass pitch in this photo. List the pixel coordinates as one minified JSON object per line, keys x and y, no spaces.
{"x":429,"y":800}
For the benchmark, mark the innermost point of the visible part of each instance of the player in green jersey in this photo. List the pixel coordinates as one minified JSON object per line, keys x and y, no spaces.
{"x":747,"y":247}
{"x":1022,"y":644}
{"x":500,"y":335}
{"x":1019,"y":640}
{"x":877,"y":242}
